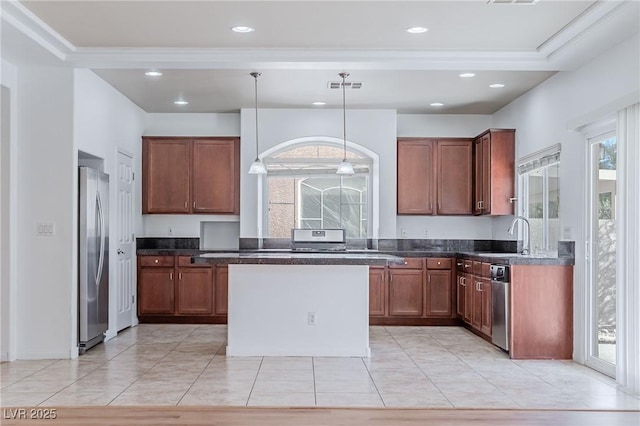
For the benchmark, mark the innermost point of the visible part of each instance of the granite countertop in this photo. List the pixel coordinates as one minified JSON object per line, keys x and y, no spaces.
{"x":516,"y":259}
{"x":292,"y":258}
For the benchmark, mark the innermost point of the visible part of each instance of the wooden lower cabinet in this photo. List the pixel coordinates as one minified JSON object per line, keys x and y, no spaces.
{"x":172,"y":290}
{"x":439,"y":294}
{"x":377,"y":291}
{"x":406,"y":292}
{"x":460,"y":293}
{"x":469,"y":291}
{"x":156,"y":291}
{"x":221,"y":290}
{"x":195,"y":291}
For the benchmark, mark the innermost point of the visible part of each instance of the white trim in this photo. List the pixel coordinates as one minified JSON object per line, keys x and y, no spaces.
{"x":550,"y":150}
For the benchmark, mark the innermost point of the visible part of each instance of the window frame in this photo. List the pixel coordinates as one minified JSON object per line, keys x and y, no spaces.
{"x":539,"y":161}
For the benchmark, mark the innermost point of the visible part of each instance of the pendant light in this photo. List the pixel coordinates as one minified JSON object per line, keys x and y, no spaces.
{"x":345,"y":167}
{"x":257,"y":167}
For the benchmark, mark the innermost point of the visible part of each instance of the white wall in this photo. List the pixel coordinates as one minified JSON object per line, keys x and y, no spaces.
{"x":45,"y":186}
{"x":186,"y":124}
{"x":549,"y":114}
{"x":372,"y":129}
{"x":105,"y":122}
{"x":8,"y":191}
{"x":445,"y":227}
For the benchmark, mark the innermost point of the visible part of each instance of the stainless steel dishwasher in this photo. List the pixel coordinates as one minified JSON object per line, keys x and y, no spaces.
{"x":500,"y":306}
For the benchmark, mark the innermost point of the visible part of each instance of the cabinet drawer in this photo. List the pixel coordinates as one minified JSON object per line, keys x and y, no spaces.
{"x":477,"y":268}
{"x":410,"y":263}
{"x":155,"y":260}
{"x":439,"y":263}
{"x":186,"y":261}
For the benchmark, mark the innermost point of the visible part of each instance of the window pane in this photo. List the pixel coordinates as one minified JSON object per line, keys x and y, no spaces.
{"x":553,"y":174}
{"x":536,"y":208}
{"x":331,"y":208}
{"x":311,"y":200}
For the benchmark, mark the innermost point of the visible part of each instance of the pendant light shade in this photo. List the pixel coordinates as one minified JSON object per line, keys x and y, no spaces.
{"x":345,"y":167}
{"x":257,"y":167}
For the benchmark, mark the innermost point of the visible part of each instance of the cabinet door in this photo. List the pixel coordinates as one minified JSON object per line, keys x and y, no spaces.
{"x":415,"y":177}
{"x":460,"y":295}
{"x":486,"y":174}
{"x":165,"y":176}
{"x":221,"y":290}
{"x":478,"y":193}
{"x":485,"y":324}
{"x":454,"y":180}
{"x":215,"y":178}
{"x":377,"y":291}
{"x":439,"y":295}
{"x":476,"y":311}
{"x":405,"y":292}
{"x":155,"y":291}
{"x":502,"y":172}
{"x":195,"y":291}
{"x":468,"y":297}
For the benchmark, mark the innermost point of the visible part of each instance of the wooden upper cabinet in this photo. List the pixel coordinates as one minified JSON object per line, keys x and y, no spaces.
{"x":494,"y":172}
{"x":215,"y":176}
{"x":415,"y":176}
{"x":165,"y":176}
{"x":190,"y":175}
{"x":434,"y":176}
{"x":454,"y":180}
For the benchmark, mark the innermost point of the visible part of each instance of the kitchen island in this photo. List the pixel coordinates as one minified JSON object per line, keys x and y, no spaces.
{"x":298,"y":304}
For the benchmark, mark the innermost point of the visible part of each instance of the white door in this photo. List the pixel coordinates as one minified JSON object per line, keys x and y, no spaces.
{"x":126,"y":243}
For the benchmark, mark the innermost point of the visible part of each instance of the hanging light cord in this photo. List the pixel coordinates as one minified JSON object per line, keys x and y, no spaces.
{"x":344,"y":75}
{"x":255,"y":75}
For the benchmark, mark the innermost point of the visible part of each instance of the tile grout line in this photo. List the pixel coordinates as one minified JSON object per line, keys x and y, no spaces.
{"x":254,"y":381}
{"x":315,"y":392}
{"x":373,"y":381}
{"x":422,"y":371}
{"x":201,"y":372}
{"x":156,"y":363}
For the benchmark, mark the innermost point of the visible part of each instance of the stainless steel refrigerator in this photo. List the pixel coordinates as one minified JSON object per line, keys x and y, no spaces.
{"x":93,"y":262}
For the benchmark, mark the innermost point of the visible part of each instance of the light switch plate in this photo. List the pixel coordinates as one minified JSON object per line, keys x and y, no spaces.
{"x":46,"y":229}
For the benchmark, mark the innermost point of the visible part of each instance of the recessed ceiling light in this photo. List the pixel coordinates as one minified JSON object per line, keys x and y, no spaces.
{"x":242,"y":29}
{"x":496,"y":85}
{"x":437,"y":104}
{"x":319,"y":103}
{"x":181,"y":102}
{"x":416,"y":30}
{"x":467,"y":75}
{"x":153,"y":73}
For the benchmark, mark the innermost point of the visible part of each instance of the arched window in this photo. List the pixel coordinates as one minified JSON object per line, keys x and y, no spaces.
{"x":302,"y":190}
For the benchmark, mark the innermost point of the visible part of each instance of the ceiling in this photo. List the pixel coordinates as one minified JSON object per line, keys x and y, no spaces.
{"x":299,"y":46}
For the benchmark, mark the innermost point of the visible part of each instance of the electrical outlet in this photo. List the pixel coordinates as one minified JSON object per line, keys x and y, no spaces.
{"x":403,"y":232}
{"x":426,"y":232}
{"x":312,"y":318}
{"x":170,"y":230}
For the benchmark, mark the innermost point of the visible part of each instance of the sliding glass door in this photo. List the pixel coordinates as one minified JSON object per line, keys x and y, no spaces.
{"x":602,"y":233}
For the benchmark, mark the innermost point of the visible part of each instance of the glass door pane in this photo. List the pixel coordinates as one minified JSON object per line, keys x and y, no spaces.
{"x":603,"y":254}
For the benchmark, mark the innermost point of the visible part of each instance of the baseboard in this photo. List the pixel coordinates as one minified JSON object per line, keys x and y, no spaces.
{"x":44,"y":355}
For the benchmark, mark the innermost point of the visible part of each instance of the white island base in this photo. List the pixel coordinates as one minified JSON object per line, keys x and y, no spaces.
{"x":272,"y":309}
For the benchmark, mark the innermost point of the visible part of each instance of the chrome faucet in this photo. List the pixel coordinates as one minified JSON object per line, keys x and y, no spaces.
{"x":526,"y":249}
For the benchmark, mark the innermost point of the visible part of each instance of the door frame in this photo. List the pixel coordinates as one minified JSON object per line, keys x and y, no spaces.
{"x":607,"y":129}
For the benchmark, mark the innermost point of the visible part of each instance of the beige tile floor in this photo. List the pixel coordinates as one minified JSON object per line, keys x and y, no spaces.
{"x":440,"y":367}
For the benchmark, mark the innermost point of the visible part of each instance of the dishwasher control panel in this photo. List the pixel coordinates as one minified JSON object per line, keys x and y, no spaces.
{"x":500,"y":273}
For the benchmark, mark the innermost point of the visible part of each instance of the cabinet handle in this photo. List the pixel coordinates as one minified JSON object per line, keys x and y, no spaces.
{"x":462,"y":282}
{"x":180,"y":276}
{"x":466,"y":266}
{"x":513,"y":199}
{"x":156,"y":261}
{"x":170,"y":276}
{"x":390,"y":278}
{"x":439,"y":263}
{"x":186,"y":205}
{"x":194,"y":204}
{"x":479,"y":286}
{"x":458,"y":263}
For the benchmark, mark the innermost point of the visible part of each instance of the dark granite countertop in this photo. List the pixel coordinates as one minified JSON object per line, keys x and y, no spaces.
{"x":289,"y":258}
{"x":499,"y":252}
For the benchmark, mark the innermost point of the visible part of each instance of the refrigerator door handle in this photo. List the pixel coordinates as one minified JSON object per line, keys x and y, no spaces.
{"x":101,"y":230}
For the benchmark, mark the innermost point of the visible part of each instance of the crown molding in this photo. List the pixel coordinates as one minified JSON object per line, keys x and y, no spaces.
{"x":15,"y":14}
{"x":555,"y":54}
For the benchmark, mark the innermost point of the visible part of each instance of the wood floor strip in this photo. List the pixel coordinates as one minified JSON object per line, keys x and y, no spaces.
{"x":249,"y":416}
